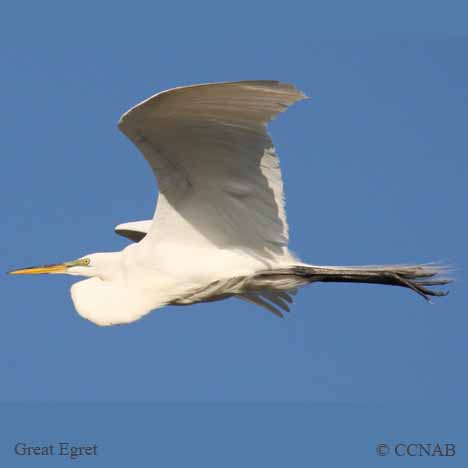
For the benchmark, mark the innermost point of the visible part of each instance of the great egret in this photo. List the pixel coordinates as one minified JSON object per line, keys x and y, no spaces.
{"x":220,"y":227}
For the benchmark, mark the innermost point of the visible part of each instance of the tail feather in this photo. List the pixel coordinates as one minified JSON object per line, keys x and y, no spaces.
{"x":273,"y":301}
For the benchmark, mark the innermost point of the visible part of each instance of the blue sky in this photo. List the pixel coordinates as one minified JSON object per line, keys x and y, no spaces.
{"x":375,"y":170}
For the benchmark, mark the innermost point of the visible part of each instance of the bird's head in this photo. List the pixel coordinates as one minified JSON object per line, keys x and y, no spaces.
{"x":88,"y":265}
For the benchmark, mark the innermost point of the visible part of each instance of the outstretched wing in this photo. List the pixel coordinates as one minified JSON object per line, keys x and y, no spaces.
{"x":218,"y":174}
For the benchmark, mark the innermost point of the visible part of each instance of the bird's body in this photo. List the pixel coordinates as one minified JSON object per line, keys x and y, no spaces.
{"x":220,"y":227}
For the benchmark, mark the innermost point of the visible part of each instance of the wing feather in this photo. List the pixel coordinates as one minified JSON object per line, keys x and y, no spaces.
{"x":217,"y":170}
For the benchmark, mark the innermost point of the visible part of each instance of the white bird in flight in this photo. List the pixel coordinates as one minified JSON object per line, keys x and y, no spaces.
{"x":219,"y":229}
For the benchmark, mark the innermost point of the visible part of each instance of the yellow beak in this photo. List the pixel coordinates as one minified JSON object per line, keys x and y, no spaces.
{"x":38,"y":270}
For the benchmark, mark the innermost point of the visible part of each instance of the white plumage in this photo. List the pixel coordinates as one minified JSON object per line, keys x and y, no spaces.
{"x":218,"y":174}
{"x":220,"y":228}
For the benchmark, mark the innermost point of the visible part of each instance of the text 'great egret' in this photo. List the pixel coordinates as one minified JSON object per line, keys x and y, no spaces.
{"x":219,"y":229}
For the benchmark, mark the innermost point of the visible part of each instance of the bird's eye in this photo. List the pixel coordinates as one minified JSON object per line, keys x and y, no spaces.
{"x":86,"y":261}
